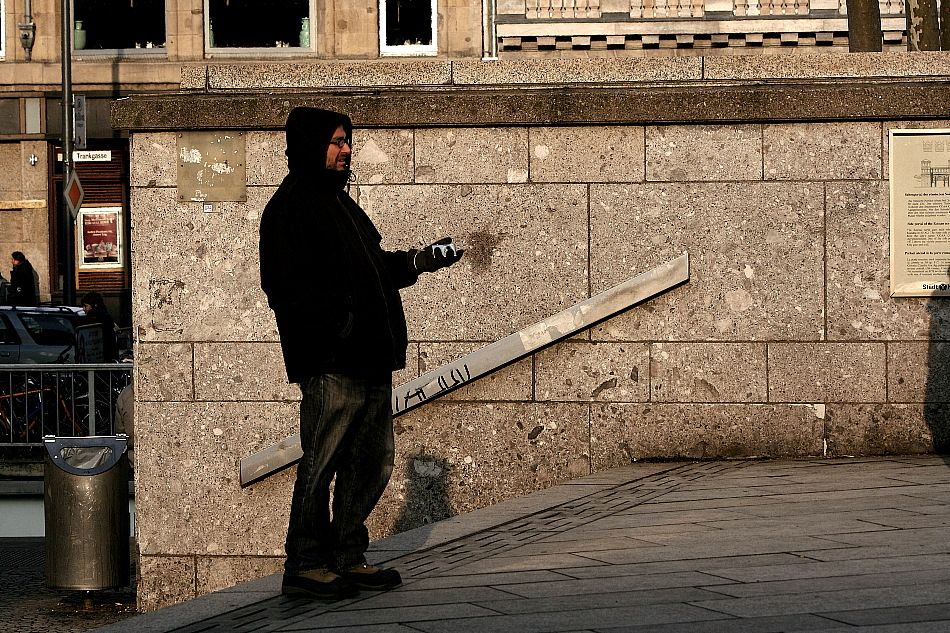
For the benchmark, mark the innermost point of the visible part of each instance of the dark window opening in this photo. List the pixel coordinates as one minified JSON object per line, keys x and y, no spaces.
{"x":259,"y":23}
{"x":106,"y":24}
{"x":408,"y":23}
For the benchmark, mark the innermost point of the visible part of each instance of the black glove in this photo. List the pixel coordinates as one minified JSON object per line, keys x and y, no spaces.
{"x":434,"y":256}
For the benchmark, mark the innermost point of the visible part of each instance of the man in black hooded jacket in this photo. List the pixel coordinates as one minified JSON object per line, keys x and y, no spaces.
{"x":335,"y":296}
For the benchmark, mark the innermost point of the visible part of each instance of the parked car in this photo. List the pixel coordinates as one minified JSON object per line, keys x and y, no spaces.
{"x":39,"y":334}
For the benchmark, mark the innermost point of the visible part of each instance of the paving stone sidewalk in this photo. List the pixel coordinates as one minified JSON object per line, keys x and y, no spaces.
{"x":832,"y":546}
{"x":855,"y":545}
{"x":28,"y":606}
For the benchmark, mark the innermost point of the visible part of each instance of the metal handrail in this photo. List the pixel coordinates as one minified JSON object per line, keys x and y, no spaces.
{"x":67,"y":400}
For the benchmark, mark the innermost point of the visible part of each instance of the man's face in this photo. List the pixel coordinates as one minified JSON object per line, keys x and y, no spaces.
{"x":338,"y":152}
{"x":15,"y":263}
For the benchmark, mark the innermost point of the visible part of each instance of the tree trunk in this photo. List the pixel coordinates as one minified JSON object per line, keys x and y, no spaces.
{"x":945,"y":25}
{"x":864,"y":26}
{"x":922,"y":25}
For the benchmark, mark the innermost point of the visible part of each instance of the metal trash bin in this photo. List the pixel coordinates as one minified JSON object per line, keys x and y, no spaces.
{"x":86,"y":507}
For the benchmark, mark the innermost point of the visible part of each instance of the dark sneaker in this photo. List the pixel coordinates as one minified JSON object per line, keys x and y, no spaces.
{"x":318,"y":583}
{"x":373,"y":578}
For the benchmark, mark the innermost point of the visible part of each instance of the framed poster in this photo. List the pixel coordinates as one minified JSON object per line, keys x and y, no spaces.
{"x":99,"y":238}
{"x":920,"y":213}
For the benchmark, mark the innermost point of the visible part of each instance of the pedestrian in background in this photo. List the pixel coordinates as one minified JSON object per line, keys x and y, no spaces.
{"x":96,"y":312}
{"x":22,"y":290}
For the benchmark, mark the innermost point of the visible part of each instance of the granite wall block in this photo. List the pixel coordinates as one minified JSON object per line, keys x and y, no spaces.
{"x":477,"y":454}
{"x":266,"y":162}
{"x":164,"y":581}
{"x":471,"y":155}
{"x":214,"y":573}
{"x":241,"y":372}
{"x":586,"y":154}
{"x":164,"y":372}
{"x":187,"y":458}
{"x":514,"y":382}
{"x":918,"y":371}
{"x":328,"y":74}
{"x":708,"y":372}
{"x":622,"y":433}
{"x":822,"y":151}
{"x":153,"y":160}
{"x":534,"y":71}
{"x":383,"y":156}
{"x":858,"y":265}
{"x":827,"y":372}
{"x":576,"y":370}
{"x":684,"y":153}
{"x":887,"y":429}
{"x":743,"y":240}
{"x":903,"y":63}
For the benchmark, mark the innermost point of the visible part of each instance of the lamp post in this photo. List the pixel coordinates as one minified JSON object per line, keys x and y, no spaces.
{"x":69,"y":222}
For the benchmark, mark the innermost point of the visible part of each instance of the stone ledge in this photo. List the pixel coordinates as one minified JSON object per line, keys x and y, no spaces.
{"x":683,"y":103}
{"x":256,"y":75}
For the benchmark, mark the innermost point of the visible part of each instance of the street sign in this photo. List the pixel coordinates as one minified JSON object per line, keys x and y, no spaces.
{"x":89,"y":156}
{"x":73,"y":194}
{"x":79,"y":117}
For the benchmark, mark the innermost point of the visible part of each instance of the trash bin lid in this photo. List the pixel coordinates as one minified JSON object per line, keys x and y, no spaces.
{"x":86,"y":455}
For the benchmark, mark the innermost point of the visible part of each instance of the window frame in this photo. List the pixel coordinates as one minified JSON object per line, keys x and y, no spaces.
{"x":411,"y":50}
{"x":234,"y":51}
{"x":3,"y":30}
{"x":116,"y":52}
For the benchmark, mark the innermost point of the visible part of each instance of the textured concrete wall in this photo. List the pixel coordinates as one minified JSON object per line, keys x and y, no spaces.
{"x":784,"y":343}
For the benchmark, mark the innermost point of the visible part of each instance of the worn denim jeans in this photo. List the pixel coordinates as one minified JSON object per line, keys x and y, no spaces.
{"x":346,"y":431}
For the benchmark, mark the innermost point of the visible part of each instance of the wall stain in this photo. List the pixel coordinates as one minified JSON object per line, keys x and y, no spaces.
{"x":479,"y":248}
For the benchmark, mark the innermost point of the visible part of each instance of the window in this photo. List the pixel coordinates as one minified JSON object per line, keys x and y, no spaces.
{"x":407,"y":27}
{"x":256,"y":24}
{"x":3,"y":30}
{"x":123,"y":24}
{"x":7,"y":333}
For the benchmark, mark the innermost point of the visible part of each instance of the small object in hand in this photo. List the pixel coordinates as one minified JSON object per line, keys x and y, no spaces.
{"x":435,"y":256}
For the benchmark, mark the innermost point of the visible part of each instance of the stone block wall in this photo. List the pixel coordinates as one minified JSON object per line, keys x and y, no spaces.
{"x":785,"y":342}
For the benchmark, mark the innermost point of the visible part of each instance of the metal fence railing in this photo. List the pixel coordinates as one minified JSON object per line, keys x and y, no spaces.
{"x":62,"y":400}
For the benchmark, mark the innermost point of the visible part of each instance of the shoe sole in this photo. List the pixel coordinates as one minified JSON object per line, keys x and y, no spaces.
{"x":375,"y":587}
{"x":368,"y":582}
{"x":298,"y":592}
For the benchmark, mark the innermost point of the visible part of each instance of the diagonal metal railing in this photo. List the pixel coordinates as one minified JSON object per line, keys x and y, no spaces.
{"x":488,"y":359}
{"x":62,"y":400}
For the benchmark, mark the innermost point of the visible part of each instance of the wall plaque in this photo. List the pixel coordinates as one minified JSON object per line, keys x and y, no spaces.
{"x":920,"y":213}
{"x":211,"y":166}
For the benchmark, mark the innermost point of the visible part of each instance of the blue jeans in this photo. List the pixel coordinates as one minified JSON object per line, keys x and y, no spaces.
{"x":346,"y":430}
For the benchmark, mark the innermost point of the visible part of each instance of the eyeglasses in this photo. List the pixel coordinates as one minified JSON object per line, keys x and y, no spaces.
{"x":340,"y":142}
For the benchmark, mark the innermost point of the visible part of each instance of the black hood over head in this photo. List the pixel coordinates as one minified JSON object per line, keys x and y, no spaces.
{"x":309,"y":131}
